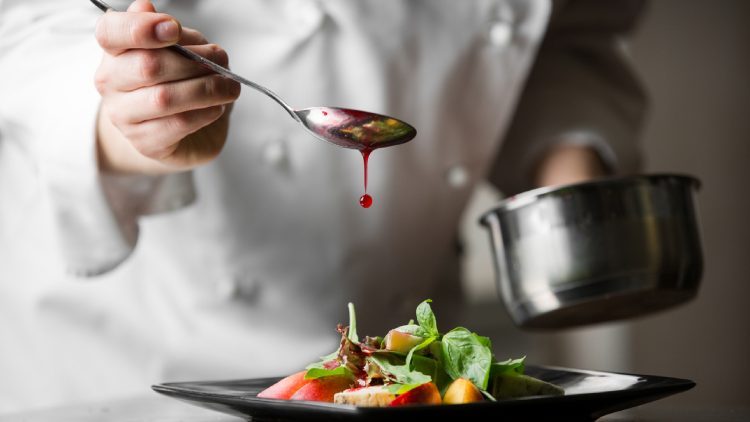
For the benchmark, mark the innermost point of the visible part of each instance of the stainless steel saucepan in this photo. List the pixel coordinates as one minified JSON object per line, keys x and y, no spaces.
{"x":596,"y":251}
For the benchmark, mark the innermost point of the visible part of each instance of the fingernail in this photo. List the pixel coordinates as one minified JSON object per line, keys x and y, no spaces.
{"x":167,"y":31}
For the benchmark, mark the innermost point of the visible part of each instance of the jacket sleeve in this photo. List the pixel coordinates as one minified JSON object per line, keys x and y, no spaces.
{"x":581,"y":90}
{"x":48,"y":106}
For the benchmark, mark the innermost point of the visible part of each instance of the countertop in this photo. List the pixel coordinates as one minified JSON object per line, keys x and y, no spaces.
{"x":155,"y":408}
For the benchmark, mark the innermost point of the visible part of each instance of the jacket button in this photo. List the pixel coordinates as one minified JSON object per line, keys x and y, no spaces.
{"x":275,"y":154}
{"x":457,"y":176}
{"x":500,"y":33}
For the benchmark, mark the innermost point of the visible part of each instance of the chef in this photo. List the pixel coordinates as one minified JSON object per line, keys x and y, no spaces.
{"x":157,"y":225}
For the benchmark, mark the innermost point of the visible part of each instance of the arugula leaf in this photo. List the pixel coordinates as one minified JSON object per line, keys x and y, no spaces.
{"x":321,"y":364}
{"x":324,"y":367}
{"x":426,"y":318}
{"x":467,"y":355}
{"x":353,"y":324}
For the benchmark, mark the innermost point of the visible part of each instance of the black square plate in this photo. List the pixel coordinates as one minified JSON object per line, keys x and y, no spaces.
{"x":589,"y":395}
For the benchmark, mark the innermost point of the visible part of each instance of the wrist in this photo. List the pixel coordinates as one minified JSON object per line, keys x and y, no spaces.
{"x":565,"y":164}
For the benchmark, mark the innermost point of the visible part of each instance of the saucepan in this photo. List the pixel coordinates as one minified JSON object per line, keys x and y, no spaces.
{"x":596,"y":251}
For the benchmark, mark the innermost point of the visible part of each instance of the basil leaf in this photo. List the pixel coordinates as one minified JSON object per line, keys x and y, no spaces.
{"x":353,"y":325}
{"x":425,"y":365}
{"x":413,"y":329}
{"x":516,"y":366}
{"x":466,"y":355}
{"x":426,"y":318}
{"x":441,"y":378}
{"x":417,"y":348}
{"x":484,"y":340}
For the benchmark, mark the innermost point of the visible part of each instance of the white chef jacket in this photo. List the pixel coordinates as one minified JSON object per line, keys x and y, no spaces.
{"x":243,"y":267}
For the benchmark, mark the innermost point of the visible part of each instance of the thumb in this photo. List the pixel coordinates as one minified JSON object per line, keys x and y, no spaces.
{"x":141,"y":6}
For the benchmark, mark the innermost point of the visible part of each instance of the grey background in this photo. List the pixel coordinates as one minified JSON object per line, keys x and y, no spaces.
{"x":694,"y":58}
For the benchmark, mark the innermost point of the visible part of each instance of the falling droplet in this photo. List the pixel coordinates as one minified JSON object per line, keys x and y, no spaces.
{"x":365,"y":201}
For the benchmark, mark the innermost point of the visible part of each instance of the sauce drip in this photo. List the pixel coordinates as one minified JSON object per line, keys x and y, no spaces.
{"x":365,"y":201}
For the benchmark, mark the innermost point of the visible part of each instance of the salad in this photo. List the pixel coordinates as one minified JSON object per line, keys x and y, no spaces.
{"x":413,"y":364}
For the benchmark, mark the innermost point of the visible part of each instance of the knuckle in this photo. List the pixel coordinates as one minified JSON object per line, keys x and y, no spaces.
{"x":150,"y":65}
{"x":101,"y":82}
{"x":211,"y":86}
{"x":161,"y":97}
{"x":218,"y":55}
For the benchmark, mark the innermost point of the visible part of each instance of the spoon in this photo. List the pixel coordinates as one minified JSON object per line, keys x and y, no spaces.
{"x":344,"y":127}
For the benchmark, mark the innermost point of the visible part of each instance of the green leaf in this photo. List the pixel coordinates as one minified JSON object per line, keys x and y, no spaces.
{"x":425,"y":365}
{"x":314,"y":373}
{"x":516,"y":366}
{"x":441,"y":378}
{"x":323,"y":361}
{"x":417,"y":348}
{"x":426,"y":318}
{"x":413,"y":329}
{"x":399,"y":389}
{"x":484,"y":340}
{"x":393,"y":366}
{"x":353,"y":324}
{"x":466,"y":355}
{"x":489,"y":396}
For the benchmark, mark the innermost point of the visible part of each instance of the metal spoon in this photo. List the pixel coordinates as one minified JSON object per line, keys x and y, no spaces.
{"x":344,"y":127}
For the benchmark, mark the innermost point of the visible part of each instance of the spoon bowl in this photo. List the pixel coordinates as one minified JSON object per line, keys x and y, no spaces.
{"x":355,"y":129}
{"x":344,"y":127}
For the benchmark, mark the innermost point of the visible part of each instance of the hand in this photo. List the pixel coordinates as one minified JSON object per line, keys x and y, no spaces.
{"x":160,"y":113}
{"x":567,"y":164}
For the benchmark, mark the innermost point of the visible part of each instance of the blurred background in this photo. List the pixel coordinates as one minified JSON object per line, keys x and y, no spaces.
{"x":694,"y":59}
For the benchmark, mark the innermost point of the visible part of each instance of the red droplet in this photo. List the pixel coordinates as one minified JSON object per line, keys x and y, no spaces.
{"x":325,"y":113}
{"x":365,"y":201}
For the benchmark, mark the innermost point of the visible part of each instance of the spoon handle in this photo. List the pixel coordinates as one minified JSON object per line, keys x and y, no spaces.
{"x":184,"y":52}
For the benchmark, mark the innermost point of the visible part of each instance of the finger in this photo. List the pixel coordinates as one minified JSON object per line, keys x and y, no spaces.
{"x":172,"y":98}
{"x":190,"y":36}
{"x":141,"y":6}
{"x":117,"y":32}
{"x":140,"y":68}
{"x":158,"y":138}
